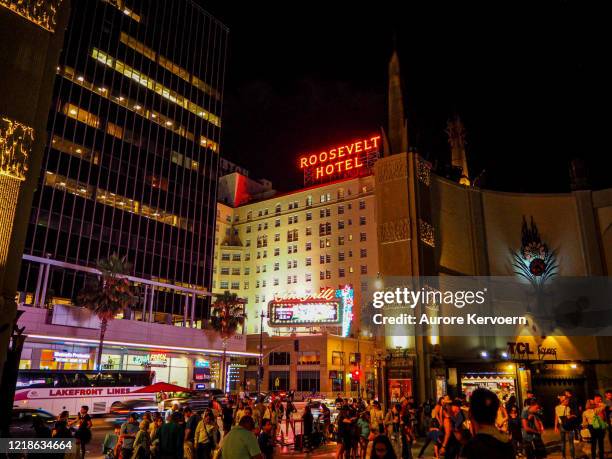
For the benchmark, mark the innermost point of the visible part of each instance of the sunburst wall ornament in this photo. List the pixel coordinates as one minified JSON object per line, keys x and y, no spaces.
{"x":534,"y":260}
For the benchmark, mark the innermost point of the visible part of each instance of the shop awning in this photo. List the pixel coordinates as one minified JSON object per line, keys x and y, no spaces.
{"x":161,"y":387}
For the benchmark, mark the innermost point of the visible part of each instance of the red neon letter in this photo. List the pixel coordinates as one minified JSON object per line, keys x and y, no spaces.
{"x":303,"y":162}
{"x":340,"y":152}
{"x":319,"y":172}
{"x":357,"y":162}
{"x":332,"y":154}
{"x":358,"y":146}
{"x":312,"y":160}
{"x":329,"y":169}
{"x":348,"y":164}
{"x":375,"y":140}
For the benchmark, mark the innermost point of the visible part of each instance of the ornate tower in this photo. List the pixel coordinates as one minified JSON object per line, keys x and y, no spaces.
{"x":456,"y":139}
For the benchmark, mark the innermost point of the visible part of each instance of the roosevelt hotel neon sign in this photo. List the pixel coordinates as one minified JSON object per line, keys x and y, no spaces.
{"x":341,"y":161}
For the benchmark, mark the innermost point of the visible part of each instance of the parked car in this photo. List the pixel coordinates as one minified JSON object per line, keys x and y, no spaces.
{"x":23,"y":418}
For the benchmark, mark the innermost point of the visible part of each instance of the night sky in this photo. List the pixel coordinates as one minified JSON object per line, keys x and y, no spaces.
{"x":525,"y":78}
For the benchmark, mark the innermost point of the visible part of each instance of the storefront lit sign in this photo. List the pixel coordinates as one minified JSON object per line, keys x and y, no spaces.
{"x":329,"y":307}
{"x":340,"y":161}
{"x":150,"y":360}
{"x":70,"y":357}
{"x":524,"y":351}
{"x":202,"y":363}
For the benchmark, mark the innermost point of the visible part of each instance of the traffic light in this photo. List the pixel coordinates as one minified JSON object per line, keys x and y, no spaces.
{"x":355,"y":374}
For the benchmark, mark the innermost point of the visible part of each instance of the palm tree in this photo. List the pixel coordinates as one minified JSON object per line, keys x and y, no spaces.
{"x":226,"y":316}
{"x":107,"y":294}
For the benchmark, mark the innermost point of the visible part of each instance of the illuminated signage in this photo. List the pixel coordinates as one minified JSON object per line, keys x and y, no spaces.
{"x":150,"y":360}
{"x":341,"y":161}
{"x":70,"y":357}
{"x":329,"y":307}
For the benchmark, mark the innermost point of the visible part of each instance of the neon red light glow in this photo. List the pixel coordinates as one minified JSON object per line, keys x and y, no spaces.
{"x":340,"y":160}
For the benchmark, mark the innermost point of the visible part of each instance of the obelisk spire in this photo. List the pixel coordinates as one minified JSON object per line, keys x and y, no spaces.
{"x":397,"y":128}
{"x":456,"y":139}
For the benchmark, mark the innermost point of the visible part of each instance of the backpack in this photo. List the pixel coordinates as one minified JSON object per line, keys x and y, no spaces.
{"x":598,"y":423}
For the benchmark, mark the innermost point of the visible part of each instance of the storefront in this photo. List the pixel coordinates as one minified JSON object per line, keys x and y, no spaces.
{"x":399,"y":373}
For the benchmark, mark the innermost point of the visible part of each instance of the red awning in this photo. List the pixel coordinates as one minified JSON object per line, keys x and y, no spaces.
{"x":161,"y":387}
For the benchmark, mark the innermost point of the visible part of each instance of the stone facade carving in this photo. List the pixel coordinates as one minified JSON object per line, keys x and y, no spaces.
{"x":391,"y":169}
{"x":394,"y":231}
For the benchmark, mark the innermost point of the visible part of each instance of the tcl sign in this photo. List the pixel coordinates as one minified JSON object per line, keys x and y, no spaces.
{"x":525,"y":351}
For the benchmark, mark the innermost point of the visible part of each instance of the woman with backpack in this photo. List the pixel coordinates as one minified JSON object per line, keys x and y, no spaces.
{"x":594,"y":419}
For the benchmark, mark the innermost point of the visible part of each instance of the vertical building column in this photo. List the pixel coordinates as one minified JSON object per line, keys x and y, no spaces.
{"x":36,"y":299}
{"x":144,"y":304}
{"x":151,"y":299}
{"x":193,"y":305}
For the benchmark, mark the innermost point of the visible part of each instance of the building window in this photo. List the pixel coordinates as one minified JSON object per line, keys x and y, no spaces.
{"x":277,"y":223}
{"x":364,"y":269}
{"x":322,"y":275}
{"x":292,"y":235}
{"x":328,"y":275}
{"x":341,"y":272}
{"x":248,"y":229}
{"x":250,"y":215}
{"x":363,"y":253}
{"x":340,"y":210}
{"x":235,"y":285}
{"x":236,"y":257}
{"x":235,"y":271}
{"x":278,"y":380}
{"x":341,"y":224}
{"x":309,"y":200}
{"x":276,"y":281}
{"x":308,"y":261}
{"x":309,"y":231}
{"x":362,"y":220}
{"x":276,"y":266}
{"x":326,"y":197}
{"x":225,"y":271}
{"x":362,"y":205}
{"x":340,"y":256}
{"x":337,"y":358}
{"x":247,"y":257}
{"x":277,"y":209}
{"x":363,"y":237}
{"x":276,"y":252}
{"x":247,"y":270}
{"x":246,"y":285}
{"x":224,"y":285}
{"x":225,"y":257}
{"x":280,"y":358}
{"x":324,"y":213}
{"x":338,"y":382}
{"x":308,"y":277}
{"x":277,"y":237}
{"x":81,"y":115}
{"x":247,"y":243}
{"x":289,"y":279}
{"x":308,"y":246}
{"x":340,"y":240}
{"x":308,"y":216}
{"x":309,"y":358}
{"x":308,"y":381}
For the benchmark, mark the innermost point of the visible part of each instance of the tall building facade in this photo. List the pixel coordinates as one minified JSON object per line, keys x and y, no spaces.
{"x":132,"y":158}
{"x":130,"y":167}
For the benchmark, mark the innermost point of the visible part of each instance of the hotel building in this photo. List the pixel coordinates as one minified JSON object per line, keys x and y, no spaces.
{"x":130,"y":167}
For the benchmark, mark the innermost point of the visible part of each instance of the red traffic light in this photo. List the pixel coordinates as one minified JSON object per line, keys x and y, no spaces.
{"x":356,"y":374}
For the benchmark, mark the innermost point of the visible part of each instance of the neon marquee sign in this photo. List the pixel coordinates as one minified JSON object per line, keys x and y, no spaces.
{"x":328,"y":307}
{"x":340,"y":161}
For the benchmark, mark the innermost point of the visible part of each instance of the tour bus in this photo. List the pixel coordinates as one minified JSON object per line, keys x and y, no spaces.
{"x":58,"y":390}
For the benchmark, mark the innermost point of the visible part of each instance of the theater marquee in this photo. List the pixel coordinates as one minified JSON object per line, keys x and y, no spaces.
{"x":342,"y":161}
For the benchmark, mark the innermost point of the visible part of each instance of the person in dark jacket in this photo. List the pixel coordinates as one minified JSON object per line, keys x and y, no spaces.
{"x":488,"y":441}
{"x":308,"y":420}
{"x":170,"y":437}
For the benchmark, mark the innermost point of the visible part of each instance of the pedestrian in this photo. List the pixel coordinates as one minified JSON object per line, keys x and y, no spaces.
{"x":239,"y":411}
{"x":158,"y":421}
{"x":207,"y":436}
{"x":111,"y":440}
{"x":266,"y":439}
{"x":566,"y":422}
{"x":83,"y":432}
{"x":308,"y":423}
{"x":227,"y":417}
{"x":363,"y":428}
{"x":345,"y":433}
{"x":41,"y":431}
{"x":488,"y":440}
{"x":453,"y":427}
{"x":289,"y":416}
{"x":392,"y":428}
{"x":128,"y":434}
{"x":434,"y":435}
{"x":142,"y":442}
{"x":382,"y":448}
{"x":594,"y":419}
{"x":530,"y":395}
{"x":171,"y":437}
{"x":514,"y":429}
{"x":191,"y":423}
{"x":377,"y":418}
{"x":532,"y":428}
{"x":240,"y":442}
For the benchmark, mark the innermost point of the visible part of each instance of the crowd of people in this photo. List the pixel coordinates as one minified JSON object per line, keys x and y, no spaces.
{"x":449,"y":429}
